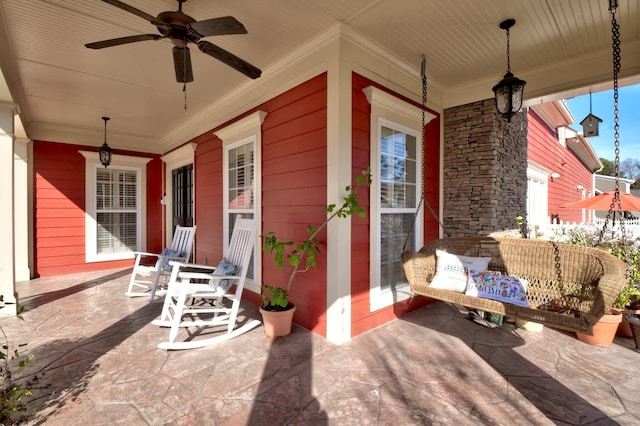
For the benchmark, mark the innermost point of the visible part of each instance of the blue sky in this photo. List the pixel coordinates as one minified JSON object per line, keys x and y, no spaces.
{"x":602,"y":107}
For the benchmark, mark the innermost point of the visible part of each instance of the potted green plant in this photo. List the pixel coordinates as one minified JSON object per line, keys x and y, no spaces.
{"x":628,"y":298}
{"x":301,"y":257}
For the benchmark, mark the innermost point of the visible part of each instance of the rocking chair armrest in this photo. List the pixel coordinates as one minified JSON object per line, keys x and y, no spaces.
{"x":206,"y":276}
{"x":191,"y":265}
{"x":144,"y":253}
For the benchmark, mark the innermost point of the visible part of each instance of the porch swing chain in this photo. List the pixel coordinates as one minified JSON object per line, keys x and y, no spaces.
{"x":616,"y":201}
{"x":422,"y":198}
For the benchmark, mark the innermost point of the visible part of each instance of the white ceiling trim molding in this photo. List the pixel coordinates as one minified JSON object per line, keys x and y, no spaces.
{"x":559,"y":81}
{"x":117,"y":159}
{"x":67,"y":135}
{"x":300,"y":66}
{"x":294,"y":69}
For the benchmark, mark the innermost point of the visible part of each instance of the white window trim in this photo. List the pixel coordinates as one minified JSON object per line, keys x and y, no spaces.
{"x":246,"y":130}
{"x":92,"y":163}
{"x":178,"y":158}
{"x":392,"y":112}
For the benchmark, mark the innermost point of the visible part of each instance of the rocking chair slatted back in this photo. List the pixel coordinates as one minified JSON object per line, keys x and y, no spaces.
{"x":570,"y":287}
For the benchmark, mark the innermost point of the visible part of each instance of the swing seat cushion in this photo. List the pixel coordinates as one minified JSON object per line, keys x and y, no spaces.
{"x":568,"y":286}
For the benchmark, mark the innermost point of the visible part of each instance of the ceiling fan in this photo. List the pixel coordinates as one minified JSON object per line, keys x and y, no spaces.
{"x":182,"y":29}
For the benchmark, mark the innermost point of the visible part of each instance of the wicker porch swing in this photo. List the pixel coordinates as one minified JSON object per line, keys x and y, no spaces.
{"x":569,"y":287}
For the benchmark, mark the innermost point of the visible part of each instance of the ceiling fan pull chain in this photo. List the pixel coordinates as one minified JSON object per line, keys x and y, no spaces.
{"x":184,"y":84}
{"x":184,"y":89}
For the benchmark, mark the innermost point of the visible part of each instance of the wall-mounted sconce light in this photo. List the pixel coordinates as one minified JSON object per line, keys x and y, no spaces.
{"x":554,"y":175}
{"x":105,"y":151}
{"x":579,"y":188}
{"x":510,"y":90}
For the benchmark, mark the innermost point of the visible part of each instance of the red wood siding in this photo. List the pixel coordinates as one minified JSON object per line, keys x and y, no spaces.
{"x":294,"y":188}
{"x":361,"y":318}
{"x":294,"y":162}
{"x":59,"y":210}
{"x":545,"y":150}
{"x":208,"y":199}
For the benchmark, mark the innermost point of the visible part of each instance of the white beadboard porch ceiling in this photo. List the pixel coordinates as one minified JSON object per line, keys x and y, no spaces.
{"x":561,"y":47}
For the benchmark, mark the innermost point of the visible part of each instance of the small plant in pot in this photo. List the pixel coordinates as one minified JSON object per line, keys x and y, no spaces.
{"x":301,"y":256}
{"x":627,"y":300}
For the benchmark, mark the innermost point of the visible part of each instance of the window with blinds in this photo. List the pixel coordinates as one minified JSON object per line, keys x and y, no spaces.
{"x":398,"y":195}
{"x":240,"y":188}
{"x":116,"y":210}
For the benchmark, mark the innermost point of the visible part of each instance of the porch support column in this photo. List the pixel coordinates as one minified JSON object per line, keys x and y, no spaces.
{"x":7,"y":249}
{"x":339,"y":173}
{"x":22,"y":208}
{"x":485,"y":173}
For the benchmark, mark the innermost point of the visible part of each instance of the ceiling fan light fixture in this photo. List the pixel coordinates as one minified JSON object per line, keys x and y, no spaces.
{"x":182,"y":64}
{"x":105,"y":152}
{"x":509,"y":92}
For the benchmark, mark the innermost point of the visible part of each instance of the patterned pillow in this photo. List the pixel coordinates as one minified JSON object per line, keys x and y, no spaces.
{"x":167,"y":255}
{"x":225,"y":267}
{"x":495,"y":286}
{"x":452,"y":270}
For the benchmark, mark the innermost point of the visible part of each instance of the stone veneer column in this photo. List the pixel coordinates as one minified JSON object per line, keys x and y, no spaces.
{"x":485,"y":169}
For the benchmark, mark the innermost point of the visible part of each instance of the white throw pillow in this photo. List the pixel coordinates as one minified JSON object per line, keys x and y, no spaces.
{"x":452,"y":270}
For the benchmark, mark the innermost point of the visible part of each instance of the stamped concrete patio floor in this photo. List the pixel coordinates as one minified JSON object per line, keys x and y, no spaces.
{"x":95,"y":350}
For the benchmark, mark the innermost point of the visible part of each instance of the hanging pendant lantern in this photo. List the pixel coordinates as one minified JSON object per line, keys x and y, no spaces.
{"x":510,"y":90}
{"x":105,"y":151}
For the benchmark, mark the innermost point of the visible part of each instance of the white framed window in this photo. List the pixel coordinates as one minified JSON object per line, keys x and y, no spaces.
{"x":396,"y":168}
{"x":241,"y":142}
{"x":537,"y":195}
{"x":115,"y":212}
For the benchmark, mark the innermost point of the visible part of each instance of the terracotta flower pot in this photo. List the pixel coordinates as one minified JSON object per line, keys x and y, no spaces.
{"x":278,"y":323}
{"x":603,"y":332}
{"x":624,"y":328}
{"x":634,"y":324}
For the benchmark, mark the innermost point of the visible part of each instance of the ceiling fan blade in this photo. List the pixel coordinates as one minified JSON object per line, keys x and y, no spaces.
{"x":218,"y":26}
{"x":230,"y":59}
{"x":122,"y":40}
{"x":138,"y":12}
{"x":182,"y":64}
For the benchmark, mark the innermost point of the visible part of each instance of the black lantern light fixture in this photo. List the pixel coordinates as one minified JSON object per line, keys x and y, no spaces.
{"x":510,"y":90}
{"x":105,"y":150}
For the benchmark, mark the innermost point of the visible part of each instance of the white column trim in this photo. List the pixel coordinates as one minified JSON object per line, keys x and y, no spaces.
{"x":339,"y":166}
{"x":7,"y":213}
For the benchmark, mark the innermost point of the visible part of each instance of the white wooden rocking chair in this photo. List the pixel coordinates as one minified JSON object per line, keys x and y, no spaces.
{"x":189,"y":295}
{"x":147,"y":277}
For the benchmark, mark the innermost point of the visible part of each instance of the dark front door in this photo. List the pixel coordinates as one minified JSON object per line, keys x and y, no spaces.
{"x":183,"y":196}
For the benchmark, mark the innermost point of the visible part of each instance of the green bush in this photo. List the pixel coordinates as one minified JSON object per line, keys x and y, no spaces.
{"x":628,"y":252}
{"x":14,"y":399}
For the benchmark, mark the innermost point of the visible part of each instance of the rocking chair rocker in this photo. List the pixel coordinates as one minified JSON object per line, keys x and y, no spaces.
{"x":195,"y":290}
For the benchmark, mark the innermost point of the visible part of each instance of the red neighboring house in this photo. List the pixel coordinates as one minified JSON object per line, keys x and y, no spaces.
{"x":561,"y":165}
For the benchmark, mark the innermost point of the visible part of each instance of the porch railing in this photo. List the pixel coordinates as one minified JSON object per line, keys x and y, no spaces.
{"x":549,"y":231}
